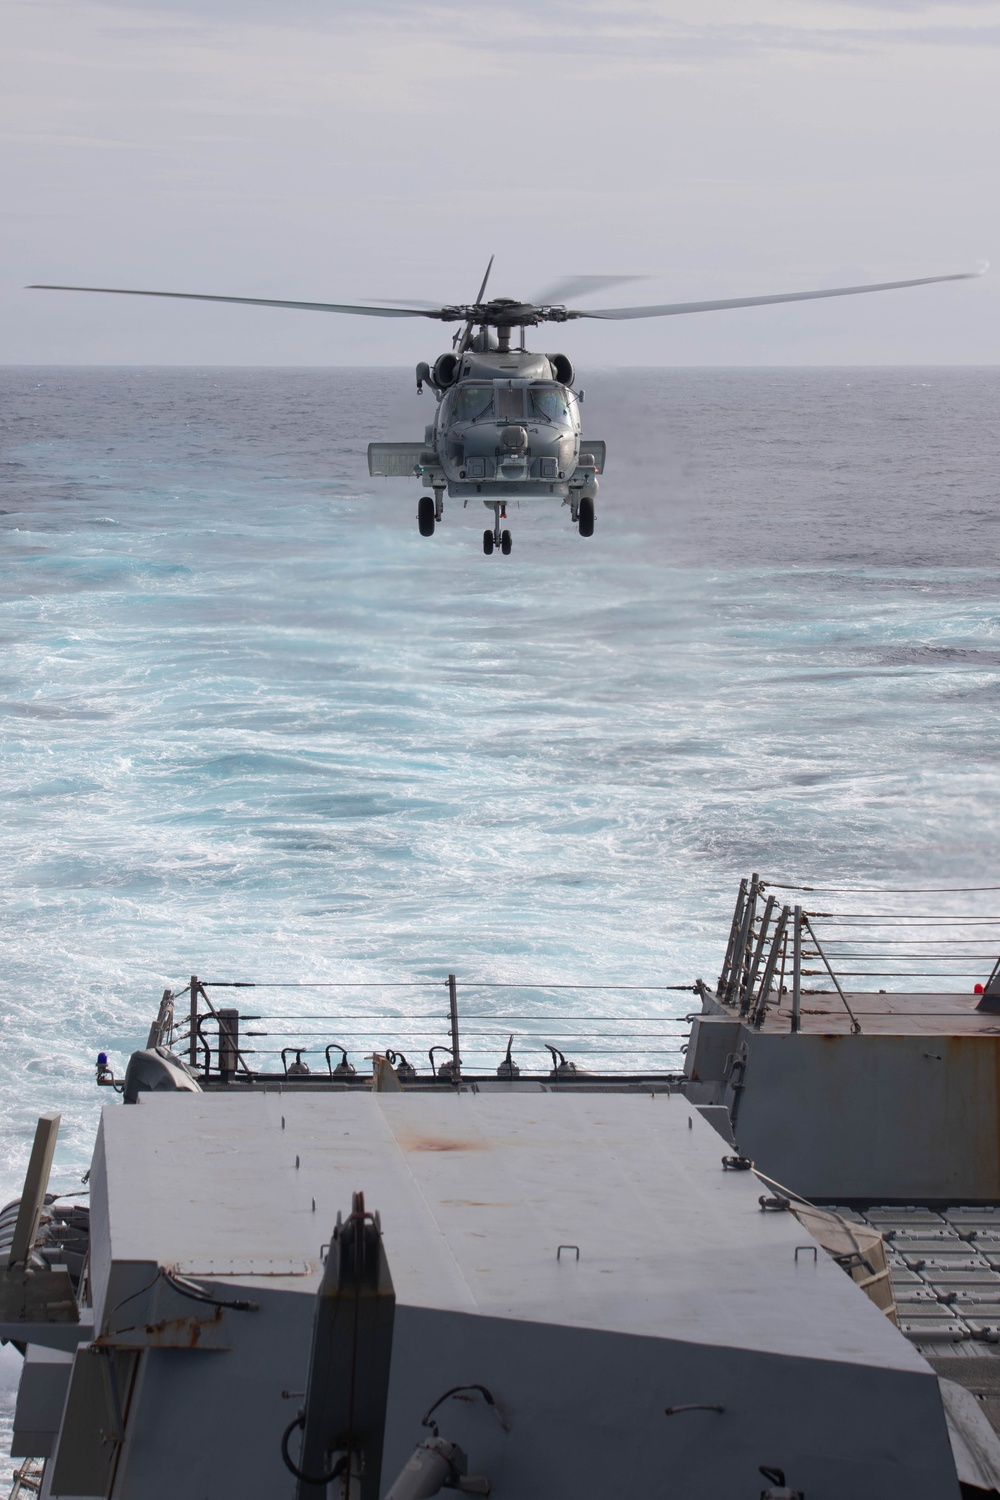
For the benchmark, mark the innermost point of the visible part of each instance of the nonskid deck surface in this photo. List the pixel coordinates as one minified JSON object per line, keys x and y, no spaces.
{"x":581,"y":1083}
{"x":476,"y":1192}
{"x":887,"y":1013}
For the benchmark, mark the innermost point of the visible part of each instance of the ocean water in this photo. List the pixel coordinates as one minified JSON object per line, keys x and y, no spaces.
{"x":257,"y":728}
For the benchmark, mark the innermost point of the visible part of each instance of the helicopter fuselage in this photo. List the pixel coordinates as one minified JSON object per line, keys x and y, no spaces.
{"x":506,"y":426}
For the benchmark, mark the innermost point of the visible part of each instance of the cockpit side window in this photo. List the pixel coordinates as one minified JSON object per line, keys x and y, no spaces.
{"x":470,"y":402}
{"x":548,"y":404}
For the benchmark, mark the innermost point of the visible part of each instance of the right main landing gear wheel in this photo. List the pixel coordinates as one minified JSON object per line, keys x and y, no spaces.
{"x":586,"y":515}
{"x":488,"y":542}
{"x":505,"y":543}
{"x":425,"y":515}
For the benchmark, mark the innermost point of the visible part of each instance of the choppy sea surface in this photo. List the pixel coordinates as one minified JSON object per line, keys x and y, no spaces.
{"x":256,"y":727}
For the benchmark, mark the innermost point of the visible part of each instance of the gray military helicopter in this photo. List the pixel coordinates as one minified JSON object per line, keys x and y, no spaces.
{"x":508,"y":425}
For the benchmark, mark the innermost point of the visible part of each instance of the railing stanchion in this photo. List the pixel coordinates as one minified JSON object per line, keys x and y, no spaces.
{"x":739,"y":958}
{"x":757,"y":1011}
{"x":797,"y":969}
{"x":453,"y":1009}
{"x":193,"y":1044}
{"x":229,"y":1043}
{"x":734,"y":932}
{"x":746,"y":997}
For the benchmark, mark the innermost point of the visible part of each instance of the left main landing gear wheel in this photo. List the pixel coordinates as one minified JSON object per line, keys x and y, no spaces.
{"x":488,"y":542}
{"x":505,"y":543}
{"x":425,"y":515}
{"x":586,"y":515}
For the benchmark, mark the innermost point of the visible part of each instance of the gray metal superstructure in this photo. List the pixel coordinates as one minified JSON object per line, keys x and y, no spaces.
{"x":388,"y":1282}
{"x":583,"y":1257}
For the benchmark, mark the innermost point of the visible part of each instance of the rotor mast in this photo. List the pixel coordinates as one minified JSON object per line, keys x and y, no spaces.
{"x":467,"y":331}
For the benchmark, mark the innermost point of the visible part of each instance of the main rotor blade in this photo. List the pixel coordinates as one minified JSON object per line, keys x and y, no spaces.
{"x":441,"y":313}
{"x":414,"y":302}
{"x":669,"y":309}
{"x":579,"y":286}
{"x":462,"y":343}
{"x":486,"y":278}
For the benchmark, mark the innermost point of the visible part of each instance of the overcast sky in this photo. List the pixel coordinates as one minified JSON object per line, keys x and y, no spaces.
{"x":329,"y":151}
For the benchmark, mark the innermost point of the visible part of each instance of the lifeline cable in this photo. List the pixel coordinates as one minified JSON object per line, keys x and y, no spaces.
{"x":882,"y":890}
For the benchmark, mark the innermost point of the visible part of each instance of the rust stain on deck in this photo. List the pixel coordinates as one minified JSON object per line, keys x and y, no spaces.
{"x":475,"y":1203}
{"x":439,"y":1143}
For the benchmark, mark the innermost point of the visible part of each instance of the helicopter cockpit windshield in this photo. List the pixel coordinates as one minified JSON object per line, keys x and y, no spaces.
{"x":548,"y":404}
{"x":470,"y":402}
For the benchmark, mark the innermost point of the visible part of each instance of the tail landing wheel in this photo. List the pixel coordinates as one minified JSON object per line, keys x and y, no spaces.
{"x":425,"y":515}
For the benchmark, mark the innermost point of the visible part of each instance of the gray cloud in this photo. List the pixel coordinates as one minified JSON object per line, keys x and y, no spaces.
{"x":916,"y":7}
{"x":638,"y":32}
{"x":726,"y":42}
{"x":337,"y":153}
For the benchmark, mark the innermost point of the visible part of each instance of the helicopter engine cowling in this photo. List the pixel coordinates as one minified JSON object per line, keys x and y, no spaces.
{"x":445,"y":370}
{"x":562,"y":368}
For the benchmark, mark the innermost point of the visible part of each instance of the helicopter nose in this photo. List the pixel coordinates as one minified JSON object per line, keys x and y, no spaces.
{"x":514,"y":439}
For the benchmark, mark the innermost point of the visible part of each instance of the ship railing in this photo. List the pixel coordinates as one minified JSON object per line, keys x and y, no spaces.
{"x":502,"y":1028}
{"x":773,"y":940}
{"x":27,"y":1478}
{"x":164,"y":1027}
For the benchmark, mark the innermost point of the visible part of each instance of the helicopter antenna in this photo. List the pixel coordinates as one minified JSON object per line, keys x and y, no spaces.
{"x":463,"y":342}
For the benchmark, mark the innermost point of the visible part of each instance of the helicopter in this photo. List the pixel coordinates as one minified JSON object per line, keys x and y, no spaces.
{"x":508,"y":424}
